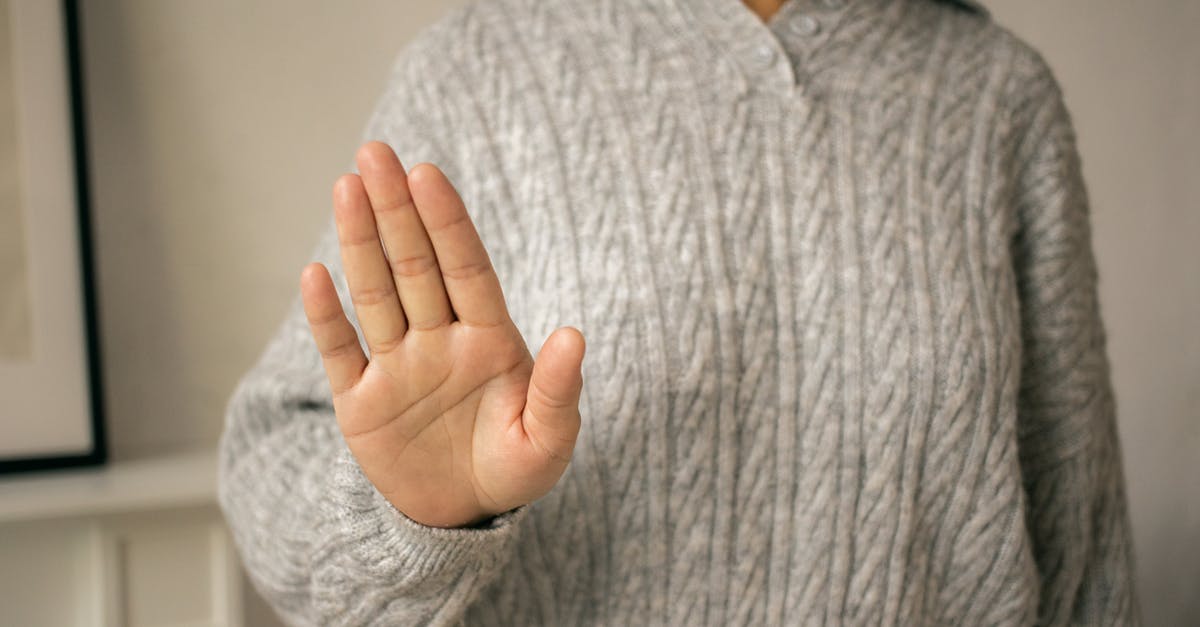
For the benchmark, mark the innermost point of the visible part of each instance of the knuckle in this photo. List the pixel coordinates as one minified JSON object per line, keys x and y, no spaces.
{"x":408,"y":267}
{"x":487,"y":325}
{"x":317,"y":320}
{"x":549,"y":400}
{"x":395,"y":205}
{"x":386,"y":345}
{"x":551,"y":452}
{"x":341,"y":349}
{"x":349,"y":240}
{"x":462,"y":219}
{"x":351,"y":236}
{"x":366,"y":297}
{"x":467,"y":271}
{"x":431,"y":324}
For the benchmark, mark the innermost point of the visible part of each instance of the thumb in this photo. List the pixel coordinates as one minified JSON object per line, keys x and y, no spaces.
{"x":551,"y":417}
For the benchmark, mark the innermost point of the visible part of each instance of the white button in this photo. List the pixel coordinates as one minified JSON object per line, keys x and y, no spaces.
{"x":806,"y":25}
{"x":764,"y":55}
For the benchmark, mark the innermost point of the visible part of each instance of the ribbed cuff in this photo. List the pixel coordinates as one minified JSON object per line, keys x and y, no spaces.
{"x":388,"y":544}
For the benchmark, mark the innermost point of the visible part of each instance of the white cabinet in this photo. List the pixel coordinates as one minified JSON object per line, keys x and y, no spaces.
{"x":137,"y":543}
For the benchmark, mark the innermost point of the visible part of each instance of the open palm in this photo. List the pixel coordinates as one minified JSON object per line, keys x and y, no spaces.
{"x":450,"y":418}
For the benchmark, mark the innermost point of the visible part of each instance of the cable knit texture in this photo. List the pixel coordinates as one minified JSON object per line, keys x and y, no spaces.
{"x":846,"y":363}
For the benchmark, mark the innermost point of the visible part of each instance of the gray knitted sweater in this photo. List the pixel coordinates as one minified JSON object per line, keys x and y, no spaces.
{"x":846,"y":363}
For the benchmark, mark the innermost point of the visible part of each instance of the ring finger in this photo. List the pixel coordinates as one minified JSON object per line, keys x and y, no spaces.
{"x":371,"y":287}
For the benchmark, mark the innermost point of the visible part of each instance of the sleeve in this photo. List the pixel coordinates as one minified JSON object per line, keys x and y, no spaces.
{"x":317,"y":539}
{"x":1070,"y":455}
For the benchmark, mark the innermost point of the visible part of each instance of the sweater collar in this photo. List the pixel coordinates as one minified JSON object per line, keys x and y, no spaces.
{"x":970,"y":5}
{"x":775,"y":55}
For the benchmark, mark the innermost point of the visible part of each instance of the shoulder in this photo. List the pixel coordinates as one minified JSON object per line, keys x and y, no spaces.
{"x":977,"y":29}
{"x":966,"y":27}
{"x":1030,"y":89}
{"x":964,"y":35}
{"x":971,"y":6}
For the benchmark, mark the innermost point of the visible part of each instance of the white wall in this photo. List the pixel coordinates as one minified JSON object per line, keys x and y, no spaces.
{"x":217,"y":130}
{"x":218,"y":127}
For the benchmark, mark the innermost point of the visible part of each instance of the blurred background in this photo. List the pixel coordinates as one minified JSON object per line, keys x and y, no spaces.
{"x":217,"y":128}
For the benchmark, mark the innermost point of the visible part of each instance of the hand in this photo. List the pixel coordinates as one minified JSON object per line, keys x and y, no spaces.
{"x":451,"y":419}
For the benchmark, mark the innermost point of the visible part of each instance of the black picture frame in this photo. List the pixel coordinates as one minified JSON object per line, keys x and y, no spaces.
{"x":97,"y":452}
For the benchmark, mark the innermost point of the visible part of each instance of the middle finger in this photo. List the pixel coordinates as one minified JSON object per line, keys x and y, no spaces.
{"x":411,"y":256}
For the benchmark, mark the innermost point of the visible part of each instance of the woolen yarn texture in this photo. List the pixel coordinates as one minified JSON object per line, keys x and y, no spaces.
{"x":846,"y":363}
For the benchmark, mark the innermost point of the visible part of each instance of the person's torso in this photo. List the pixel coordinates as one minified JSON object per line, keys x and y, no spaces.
{"x":792,"y":270}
